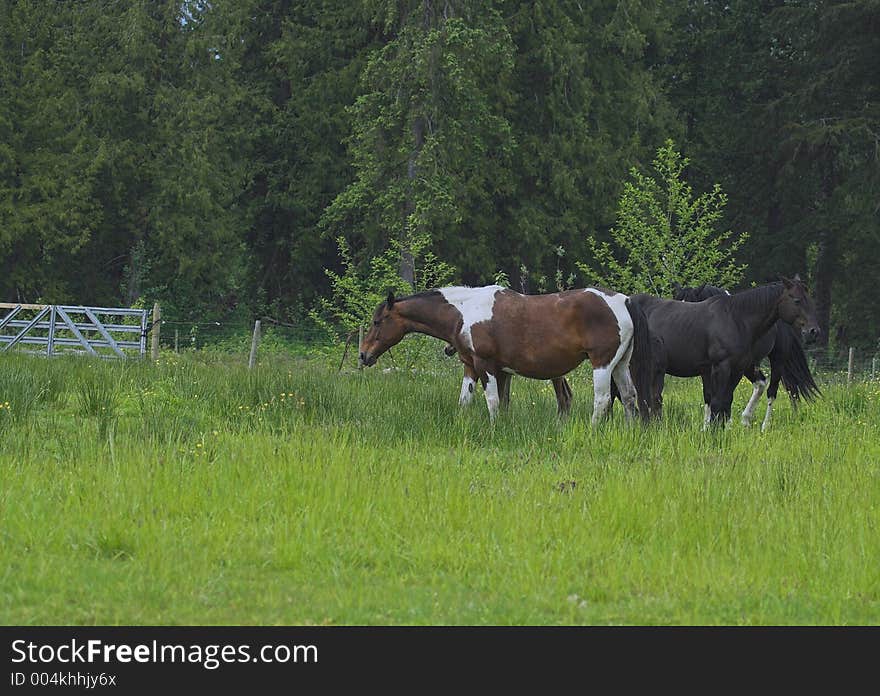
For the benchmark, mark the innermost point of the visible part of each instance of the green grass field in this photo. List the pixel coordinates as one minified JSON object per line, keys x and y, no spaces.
{"x":195,"y":492}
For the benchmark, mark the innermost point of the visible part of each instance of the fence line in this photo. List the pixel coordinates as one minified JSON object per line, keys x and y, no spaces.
{"x":75,"y":328}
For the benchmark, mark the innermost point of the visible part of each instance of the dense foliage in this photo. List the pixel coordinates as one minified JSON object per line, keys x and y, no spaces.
{"x":211,"y":154}
{"x":665,"y":235}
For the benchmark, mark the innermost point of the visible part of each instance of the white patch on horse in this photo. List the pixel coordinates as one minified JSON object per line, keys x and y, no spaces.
{"x":753,"y":401}
{"x":707,"y":415}
{"x":474,"y":305}
{"x":467,"y":391}
{"x":602,"y":375}
{"x":766,"y":422}
{"x":492,"y":398}
{"x":617,"y":304}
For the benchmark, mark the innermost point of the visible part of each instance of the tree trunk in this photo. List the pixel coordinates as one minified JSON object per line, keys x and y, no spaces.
{"x":407,"y":263}
{"x":827,"y":252}
{"x":826,"y":260}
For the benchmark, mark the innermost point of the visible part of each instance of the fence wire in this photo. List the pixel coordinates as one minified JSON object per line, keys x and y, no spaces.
{"x":304,"y":339}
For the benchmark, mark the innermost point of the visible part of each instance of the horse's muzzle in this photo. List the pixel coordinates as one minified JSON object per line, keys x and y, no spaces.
{"x":810,"y":334}
{"x":366,"y":360}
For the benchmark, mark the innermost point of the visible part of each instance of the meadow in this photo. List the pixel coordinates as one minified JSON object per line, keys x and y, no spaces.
{"x":196,"y":491}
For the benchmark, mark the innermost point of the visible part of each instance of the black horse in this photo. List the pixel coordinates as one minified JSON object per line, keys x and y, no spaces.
{"x":781,"y":345}
{"x":714,"y":339}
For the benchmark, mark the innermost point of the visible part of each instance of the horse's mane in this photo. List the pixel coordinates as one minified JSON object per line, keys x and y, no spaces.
{"x":418,"y":295}
{"x":756,"y":298}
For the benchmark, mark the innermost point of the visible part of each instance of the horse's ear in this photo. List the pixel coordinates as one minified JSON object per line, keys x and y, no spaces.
{"x":390,"y":298}
{"x":787,"y":282}
{"x":676,"y":285}
{"x":797,"y":278}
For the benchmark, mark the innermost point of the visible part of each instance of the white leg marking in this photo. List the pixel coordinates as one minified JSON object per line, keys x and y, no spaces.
{"x":753,"y":402}
{"x":467,"y":391}
{"x":601,"y":392}
{"x":492,"y":399}
{"x":707,"y":416}
{"x":766,"y":422}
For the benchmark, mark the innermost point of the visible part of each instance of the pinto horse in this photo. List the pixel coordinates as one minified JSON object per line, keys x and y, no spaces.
{"x":498,"y":333}
{"x":469,"y":381}
{"x":781,"y":345}
{"x":714,"y":339}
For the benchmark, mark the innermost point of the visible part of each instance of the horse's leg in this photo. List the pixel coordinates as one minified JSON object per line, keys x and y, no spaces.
{"x":615,"y":394}
{"x":759,"y":381}
{"x":487,"y":375}
{"x":735,"y":379}
{"x":659,"y":381}
{"x":766,"y":423}
{"x":772,"y":391}
{"x":563,"y":396}
{"x":468,"y":384}
{"x":504,"y":380}
{"x":722,"y":394}
{"x":601,"y":392}
{"x":707,"y":399}
{"x":623,"y":380}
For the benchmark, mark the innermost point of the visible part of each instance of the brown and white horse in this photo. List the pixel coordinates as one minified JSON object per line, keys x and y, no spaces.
{"x":499,"y":332}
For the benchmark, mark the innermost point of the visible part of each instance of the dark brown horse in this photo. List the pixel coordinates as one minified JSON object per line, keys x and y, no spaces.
{"x":498,"y":332}
{"x":715,"y":339}
{"x":781,"y":345}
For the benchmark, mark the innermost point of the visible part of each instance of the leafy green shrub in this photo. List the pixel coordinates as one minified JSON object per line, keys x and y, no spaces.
{"x":664,"y":235}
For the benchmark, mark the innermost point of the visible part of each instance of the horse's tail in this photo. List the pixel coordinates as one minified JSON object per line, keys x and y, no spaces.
{"x":641,"y":362}
{"x":796,"y":375}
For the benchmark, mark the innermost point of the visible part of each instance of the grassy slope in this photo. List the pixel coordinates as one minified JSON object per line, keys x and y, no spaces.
{"x":204,"y":494}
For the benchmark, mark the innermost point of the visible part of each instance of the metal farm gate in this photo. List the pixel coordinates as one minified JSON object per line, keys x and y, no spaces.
{"x":104,"y":332}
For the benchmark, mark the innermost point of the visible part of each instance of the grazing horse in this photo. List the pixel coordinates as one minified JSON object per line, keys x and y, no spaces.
{"x":469,"y":381}
{"x":781,"y":345}
{"x":714,"y":339}
{"x":499,"y":332}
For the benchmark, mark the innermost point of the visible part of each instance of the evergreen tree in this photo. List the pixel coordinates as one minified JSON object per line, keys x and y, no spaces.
{"x":431,"y":147}
{"x":588,"y":107}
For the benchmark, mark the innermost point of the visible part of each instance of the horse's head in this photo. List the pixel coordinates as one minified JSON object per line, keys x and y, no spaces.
{"x":695,"y":294}
{"x":388,"y":330}
{"x":796,"y":308}
{"x":689,"y":294}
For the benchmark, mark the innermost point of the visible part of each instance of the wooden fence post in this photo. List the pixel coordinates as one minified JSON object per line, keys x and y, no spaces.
{"x":176,"y":340}
{"x":157,"y":322}
{"x":255,"y":341}
{"x":849,"y":366}
{"x":873,"y":367}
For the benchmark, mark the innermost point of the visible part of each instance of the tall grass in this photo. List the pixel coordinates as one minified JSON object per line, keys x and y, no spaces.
{"x":191,"y":492}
